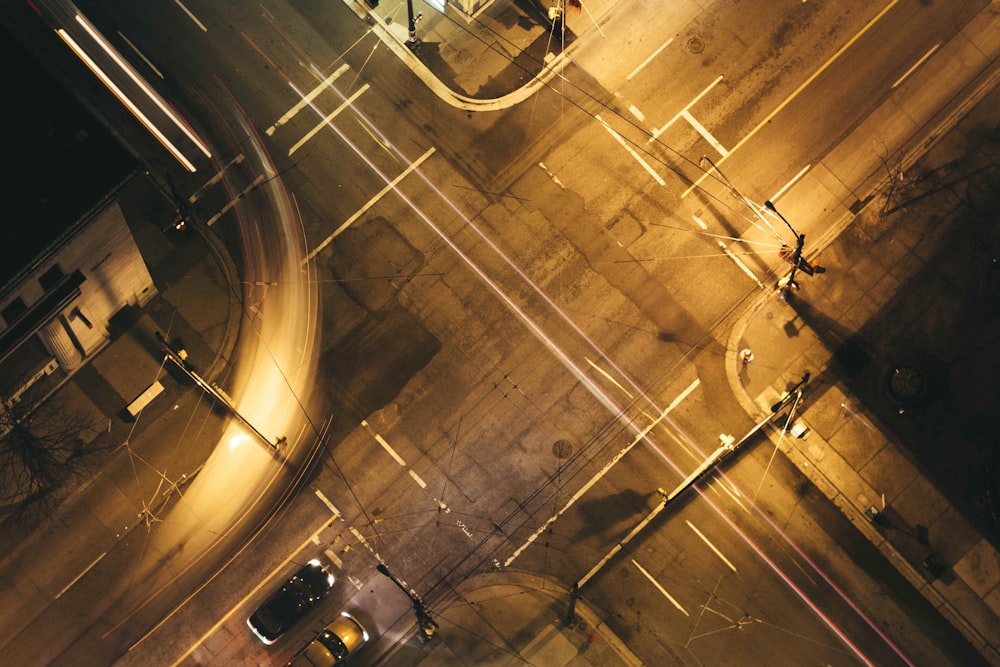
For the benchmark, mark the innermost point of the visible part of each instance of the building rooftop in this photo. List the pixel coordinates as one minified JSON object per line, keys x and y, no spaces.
{"x":60,"y":161}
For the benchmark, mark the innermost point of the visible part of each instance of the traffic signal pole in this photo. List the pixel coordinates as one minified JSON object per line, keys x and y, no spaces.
{"x":792,"y":397}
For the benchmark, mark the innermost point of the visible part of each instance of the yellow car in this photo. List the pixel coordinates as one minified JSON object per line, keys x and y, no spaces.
{"x":338,"y":641}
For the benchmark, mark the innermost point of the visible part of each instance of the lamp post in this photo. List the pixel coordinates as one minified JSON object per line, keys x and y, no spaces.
{"x":412,"y":39}
{"x":427,"y":624}
{"x":796,"y":255}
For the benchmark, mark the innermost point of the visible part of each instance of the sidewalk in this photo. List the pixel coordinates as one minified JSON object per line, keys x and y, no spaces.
{"x":509,"y":619}
{"x":196,"y":305}
{"x":907,"y":295}
{"x":847,"y":451}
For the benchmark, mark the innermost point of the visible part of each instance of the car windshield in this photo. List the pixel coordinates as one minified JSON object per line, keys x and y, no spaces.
{"x":333,"y":643}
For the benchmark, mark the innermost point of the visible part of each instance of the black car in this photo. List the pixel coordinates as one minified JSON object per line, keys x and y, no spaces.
{"x":297,"y":596}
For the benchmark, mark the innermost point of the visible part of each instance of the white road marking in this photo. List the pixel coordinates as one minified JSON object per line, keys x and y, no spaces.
{"x":649,"y":59}
{"x":417,"y":479}
{"x":701,"y":223}
{"x":739,"y":262}
{"x":661,"y":588}
{"x":385,"y":445}
{"x":462,"y":526}
{"x":789,"y":184}
{"x":684,"y":112}
{"x":916,"y":65}
{"x":371,"y":202}
{"x":323,"y":85}
{"x":603,"y":471}
{"x":710,"y":545}
{"x":140,"y":54}
{"x":80,"y":576}
{"x":441,"y":506}
{"x":705,"y":133}
{"x":358,"y":536}
{"x":555,"y":179}
{"x":191,"y":16}
{"x":257,"y":181}
{"x":632,"y":151}
{"x":326,"y":121}
{"x":795,"y":93}
{"x":638,"y":114}
{"x":215,"y":179}
{"x":239,"y":605}
{"x":326,"y":501}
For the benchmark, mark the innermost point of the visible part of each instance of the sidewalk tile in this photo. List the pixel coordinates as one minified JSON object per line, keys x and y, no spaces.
{"x":980,"y":568}
{"x":889,"y":472}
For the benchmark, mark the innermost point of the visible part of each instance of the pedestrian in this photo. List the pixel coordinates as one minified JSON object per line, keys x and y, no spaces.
{"x":746,"y":356}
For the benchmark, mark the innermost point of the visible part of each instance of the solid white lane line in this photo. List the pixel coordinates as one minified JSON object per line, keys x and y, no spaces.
{"x":385,"y":445}
{"x":603,"y":471}
{"x":739,"y":262}
{"x":257,"y":181}
{"x":80,"y":576}
{"x":649,"y":59}
{"x":302,"y":103}
{"x":191,"y":16}
{"x":710,"y":545}
{"x":417,"y":479}
{"x":789,"y":184}
{"x":682,"y":112}
{"x":795,"y":93}
{"x":916,"y":65}
{"x":215,"y":179}
{"x":326,"y":121}
{"x":621,"y":140}
{"x":371,"y":202}
{"x":140,"y":54}
{"x":326,"y":501}
{"x":704,"y":133}
{"x":555,"y":179}
{"x":239,"y":605}
{"x":661,"y":588}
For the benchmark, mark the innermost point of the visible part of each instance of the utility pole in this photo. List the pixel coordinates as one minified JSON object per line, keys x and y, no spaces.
{"x":728,"y":447}
{"x":413,"y":20}
{"x":179,"y":357}
{"x":426,"y":624}
{"x":793,"y":255}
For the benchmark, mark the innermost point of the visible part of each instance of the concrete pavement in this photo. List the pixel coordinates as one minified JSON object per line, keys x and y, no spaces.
{"x":845,"y":327}
{"x":506,"y":52}
{"x":846,"y":452}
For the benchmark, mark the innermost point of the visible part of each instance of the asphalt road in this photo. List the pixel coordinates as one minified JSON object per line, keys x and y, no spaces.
{"x":506,"y":328}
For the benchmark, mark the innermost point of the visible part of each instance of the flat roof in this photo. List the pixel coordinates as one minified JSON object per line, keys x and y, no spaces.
{"x":59,"y":160}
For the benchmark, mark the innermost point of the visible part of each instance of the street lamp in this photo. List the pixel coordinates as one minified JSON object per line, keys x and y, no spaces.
{"x":413,"y":20}
{"x":427,"y":624}
{"x":795,"y":256}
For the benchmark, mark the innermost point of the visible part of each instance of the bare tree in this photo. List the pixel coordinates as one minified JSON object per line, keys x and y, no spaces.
{"x":44,"y":442}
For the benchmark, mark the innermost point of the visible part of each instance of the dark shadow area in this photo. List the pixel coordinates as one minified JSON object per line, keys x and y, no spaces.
{"x":371,"y":365}
{"x":926,"y":361}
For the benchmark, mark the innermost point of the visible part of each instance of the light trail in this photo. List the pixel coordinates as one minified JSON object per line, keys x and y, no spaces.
{"x":139,"y":81}
{"x":124,"y":99}
{"x":802,"y":595}
{"x":575,"y":370}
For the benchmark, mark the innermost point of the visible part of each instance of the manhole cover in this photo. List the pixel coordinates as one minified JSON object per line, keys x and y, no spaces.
{"x":696,"y":44}
{"x":906,"y":382}
{"x":562,"y":449}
